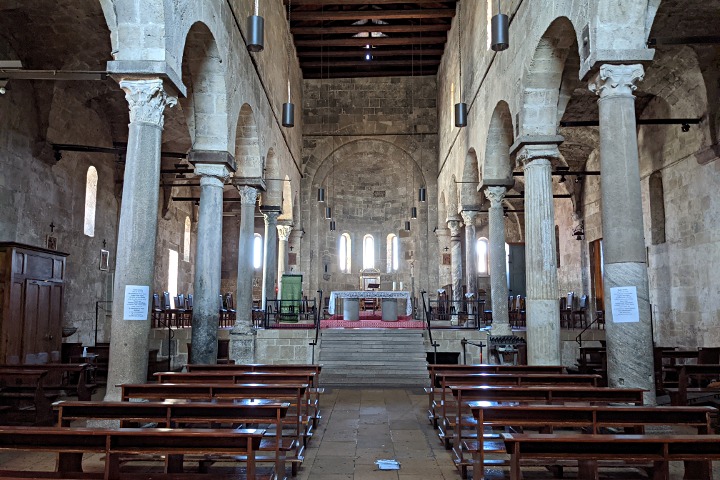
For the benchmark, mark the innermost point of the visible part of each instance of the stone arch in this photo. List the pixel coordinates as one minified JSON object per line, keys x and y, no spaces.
{"x":205,"y":107}
{"x":452,"y":198}
{"x":470,"y":198}
{"x":542,"y":84}
{"x":274,"y":192}
{"x":287,"y":200}
{"x":247,"y":146}
{"x":498,"y":167}
{"x":442,"y":211}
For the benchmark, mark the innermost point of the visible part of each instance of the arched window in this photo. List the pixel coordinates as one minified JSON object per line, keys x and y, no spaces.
{"x":90,"y":201}
{"x":482,"y":256}
{"x":393,"y":250}
{"x":186,"y":240}
{"x":345,"y":253}
{"x":258,"y":251}
{"x":368,"y":252}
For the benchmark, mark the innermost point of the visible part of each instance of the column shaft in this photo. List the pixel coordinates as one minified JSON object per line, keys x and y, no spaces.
{"x":270,"y":259}
{"x":457,"y":270}
{"x":283,"y":236}
{"x":629,"y":345}
{"x":208,"y":264}
{"x":137,"y":230}
{"x":542,"y":302}
{"x":470,"y":252}
{"x":498,"y":264}
{"x":242,"y":333}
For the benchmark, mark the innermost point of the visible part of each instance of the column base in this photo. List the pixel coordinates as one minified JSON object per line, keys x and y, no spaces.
{"x":500,"y":329}
{"x":543,"y":332}
{"x":242,"y":347}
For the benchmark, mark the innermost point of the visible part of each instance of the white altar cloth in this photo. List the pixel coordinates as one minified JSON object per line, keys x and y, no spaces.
{"x":369,"y":294}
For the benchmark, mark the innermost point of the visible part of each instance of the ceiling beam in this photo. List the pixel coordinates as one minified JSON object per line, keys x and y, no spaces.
{"x":370,"y":28}
{"x":19,"y":74}
{"x":361,"y":42}
{"x":373,"y":73}
{"x":297,"y":3}
{"x":373,"y":14}
{"x":369,"y":63}
{"x":429,"y":52}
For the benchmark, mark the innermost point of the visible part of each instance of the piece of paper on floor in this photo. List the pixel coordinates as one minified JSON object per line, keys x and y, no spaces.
{"x":388,"y":464}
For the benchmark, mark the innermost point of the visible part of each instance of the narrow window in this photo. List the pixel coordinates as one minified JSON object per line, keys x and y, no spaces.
{"x":257,"y":251}
{"x":393,"y":249}
{"x":173,"y":274}
{"x":368,"y":252}
{"x":344,"y":253}
{"x":186,"y":240}
{"x":90,"y":201}
{"x":482,"y":256}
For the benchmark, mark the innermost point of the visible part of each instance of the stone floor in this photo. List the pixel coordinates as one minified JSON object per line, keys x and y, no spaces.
{"x":359,"y":427}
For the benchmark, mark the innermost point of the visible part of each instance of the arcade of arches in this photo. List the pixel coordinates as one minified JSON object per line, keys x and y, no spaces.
{"x":574,"y":147}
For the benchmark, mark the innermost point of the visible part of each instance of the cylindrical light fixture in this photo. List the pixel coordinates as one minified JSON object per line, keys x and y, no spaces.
{"x":332,"y":225}
{"x":255,"y":31}
{"x":288,"y":115}
{"x":407,"y":226}
{"x":500,"y":31}
{"x":461,"y":115}
{"x":413,"y":212}
{"x":422,"y":194}
{"x":328,"y":213}
{"x":321,"y":195}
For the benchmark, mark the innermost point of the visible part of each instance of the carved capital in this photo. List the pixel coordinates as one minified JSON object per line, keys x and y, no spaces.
{"x":248,"y":195}
{"x":617,"y":80}
{"x":147,"y":99}
{"x":271,"y":217}
{"x":496,"y":195}
{"x":212,"y":174}
{"x":284,"y":232}
{"x":454,"y":226}
{"x":537,"y":154}
{"x":469,"y":217}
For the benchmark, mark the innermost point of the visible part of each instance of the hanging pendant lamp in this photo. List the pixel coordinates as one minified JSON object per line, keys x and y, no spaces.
{"x":461,"y":115}
{"x":288,"y":111}
{"x":461,"y":107}
{"x":328,"y":213}
{"x":422,"y":194}
{"x":413,"y":212}
{"x":407,"y":226}
{"x":332,"y":225}
{"x":256,"y":31}
{"x":321,"y":195}
{"x":500,"y":31}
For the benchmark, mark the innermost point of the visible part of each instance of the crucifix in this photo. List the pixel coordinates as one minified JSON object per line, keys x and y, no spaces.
{"x":52,"y":227}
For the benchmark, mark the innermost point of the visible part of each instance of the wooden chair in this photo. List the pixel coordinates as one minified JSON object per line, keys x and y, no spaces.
{"x":230,"y":305}
{"x":519,"y":311}
{"x":579,"y":316}
{"x":224,"y":320}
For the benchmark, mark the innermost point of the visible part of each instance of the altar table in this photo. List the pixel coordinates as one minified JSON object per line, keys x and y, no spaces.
{"x":351,"y":303}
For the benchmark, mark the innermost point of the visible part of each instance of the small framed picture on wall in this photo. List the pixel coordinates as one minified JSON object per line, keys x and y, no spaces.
{"x":104,"y":260}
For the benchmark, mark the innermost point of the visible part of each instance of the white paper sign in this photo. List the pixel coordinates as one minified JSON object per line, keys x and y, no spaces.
{"x":624,"y":305}
{"x":137,"y":302}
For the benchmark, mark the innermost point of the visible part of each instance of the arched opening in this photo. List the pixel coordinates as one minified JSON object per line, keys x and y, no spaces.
{"x":257,"y":251}
{"x":393,"y":253}
{"x":345,"y":253}
{"x":247,"y":145}
{"x":470,"y":197}
{"x":91,"y":184}
{"x":186,"y":240}
{"x":482,"y":250}
{"x":498,"y":167}
{"x":368,"y":252}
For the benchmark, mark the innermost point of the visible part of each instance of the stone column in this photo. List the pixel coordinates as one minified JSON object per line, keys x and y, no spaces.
{"x":208,"y":259}
{"x":270,"y":259}
{"x":542,"y":303}
{"x":137,"y":230}
{"x":445,"y":271}
{"x":242,"y":335}
{"x":629,"y":345}
{"x":468,"y":217}
{"x":283,"y":235}
{"x":454,"y":225}
{"x":498,"y":264}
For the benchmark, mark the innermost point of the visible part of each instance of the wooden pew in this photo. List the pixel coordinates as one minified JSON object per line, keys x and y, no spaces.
{"x":183,"y":414}
{"x":589,"y":449}
{"x":22,"y":393}
{"x":291,"y":393}
{"x":592,"y":418}
{"x":61,"y":377}
{"x":71,"y":443}
{"x":259,"y":367}
{"x":687,"y":374}
{"x":543,"y":394}
{"x":435,"y":388}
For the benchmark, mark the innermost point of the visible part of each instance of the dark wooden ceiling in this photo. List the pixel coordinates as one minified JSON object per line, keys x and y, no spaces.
{"x":333,"y":38}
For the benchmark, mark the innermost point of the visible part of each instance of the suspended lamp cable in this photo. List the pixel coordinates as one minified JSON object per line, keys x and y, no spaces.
{"x":288,"y":109}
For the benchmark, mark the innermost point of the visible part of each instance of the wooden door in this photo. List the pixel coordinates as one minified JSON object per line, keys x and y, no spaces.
{"x":596,"y":273}
{"x":516,"y":269}
{"x":41,"y":317}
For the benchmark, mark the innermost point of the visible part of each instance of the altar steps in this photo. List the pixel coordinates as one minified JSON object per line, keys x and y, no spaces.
{"x":377,"y":357}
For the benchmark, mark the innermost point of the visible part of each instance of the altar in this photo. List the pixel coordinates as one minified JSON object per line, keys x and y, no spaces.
{"x":351,"y":303}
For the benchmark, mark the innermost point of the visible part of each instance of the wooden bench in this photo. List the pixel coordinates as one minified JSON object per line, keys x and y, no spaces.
{"x":589,"y":449}
{"x":543,"y":394}
{"x":71,"y":443}
{"x":183,"y":414}
{"x":69,"y":379}
{"x":689,"y":375}
{"x":435,"y":370}
{"x":23,"y":396}
{"x":296,"y":420}
{"x":259,"y":367}
{"x":591,"y":418}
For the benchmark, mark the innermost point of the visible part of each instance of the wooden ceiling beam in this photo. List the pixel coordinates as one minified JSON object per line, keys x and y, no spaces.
{"x":374,"y":73}
{"x":373,"y":14}
{"x":369,"y":28}
{"x":360,"y":42}
{"x":429,"y":52}
{"x":324,"y":3}
{"x":369,"y":63}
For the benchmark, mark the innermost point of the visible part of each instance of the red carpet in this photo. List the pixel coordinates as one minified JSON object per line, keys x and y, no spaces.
{"x":402,"y":322}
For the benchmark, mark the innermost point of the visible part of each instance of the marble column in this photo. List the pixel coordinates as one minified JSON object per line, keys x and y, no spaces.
{"x":208,"y":258}
{"x":283,"y":236}
{"x":445,"y":271}
{"x":454,"y":224}
{"x":137,"y":230}
{"x":242,"y":335}
{"x":469,"y":217}
{"x":498,"y":264}
{"x":270,"y":258}
{"x":542,"y":303}
{"x":629,"y":345}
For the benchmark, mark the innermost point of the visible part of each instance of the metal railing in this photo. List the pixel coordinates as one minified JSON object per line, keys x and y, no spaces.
{"x":429,"y":327}
{"x":464,"y":342}
{"x":318,"y":313}
{"x":287,"y":312}
{"x":463,"y":314}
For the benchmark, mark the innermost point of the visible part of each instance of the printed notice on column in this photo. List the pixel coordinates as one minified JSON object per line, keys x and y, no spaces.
{"x":624,"y":305}
{"x":137,"y":302}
